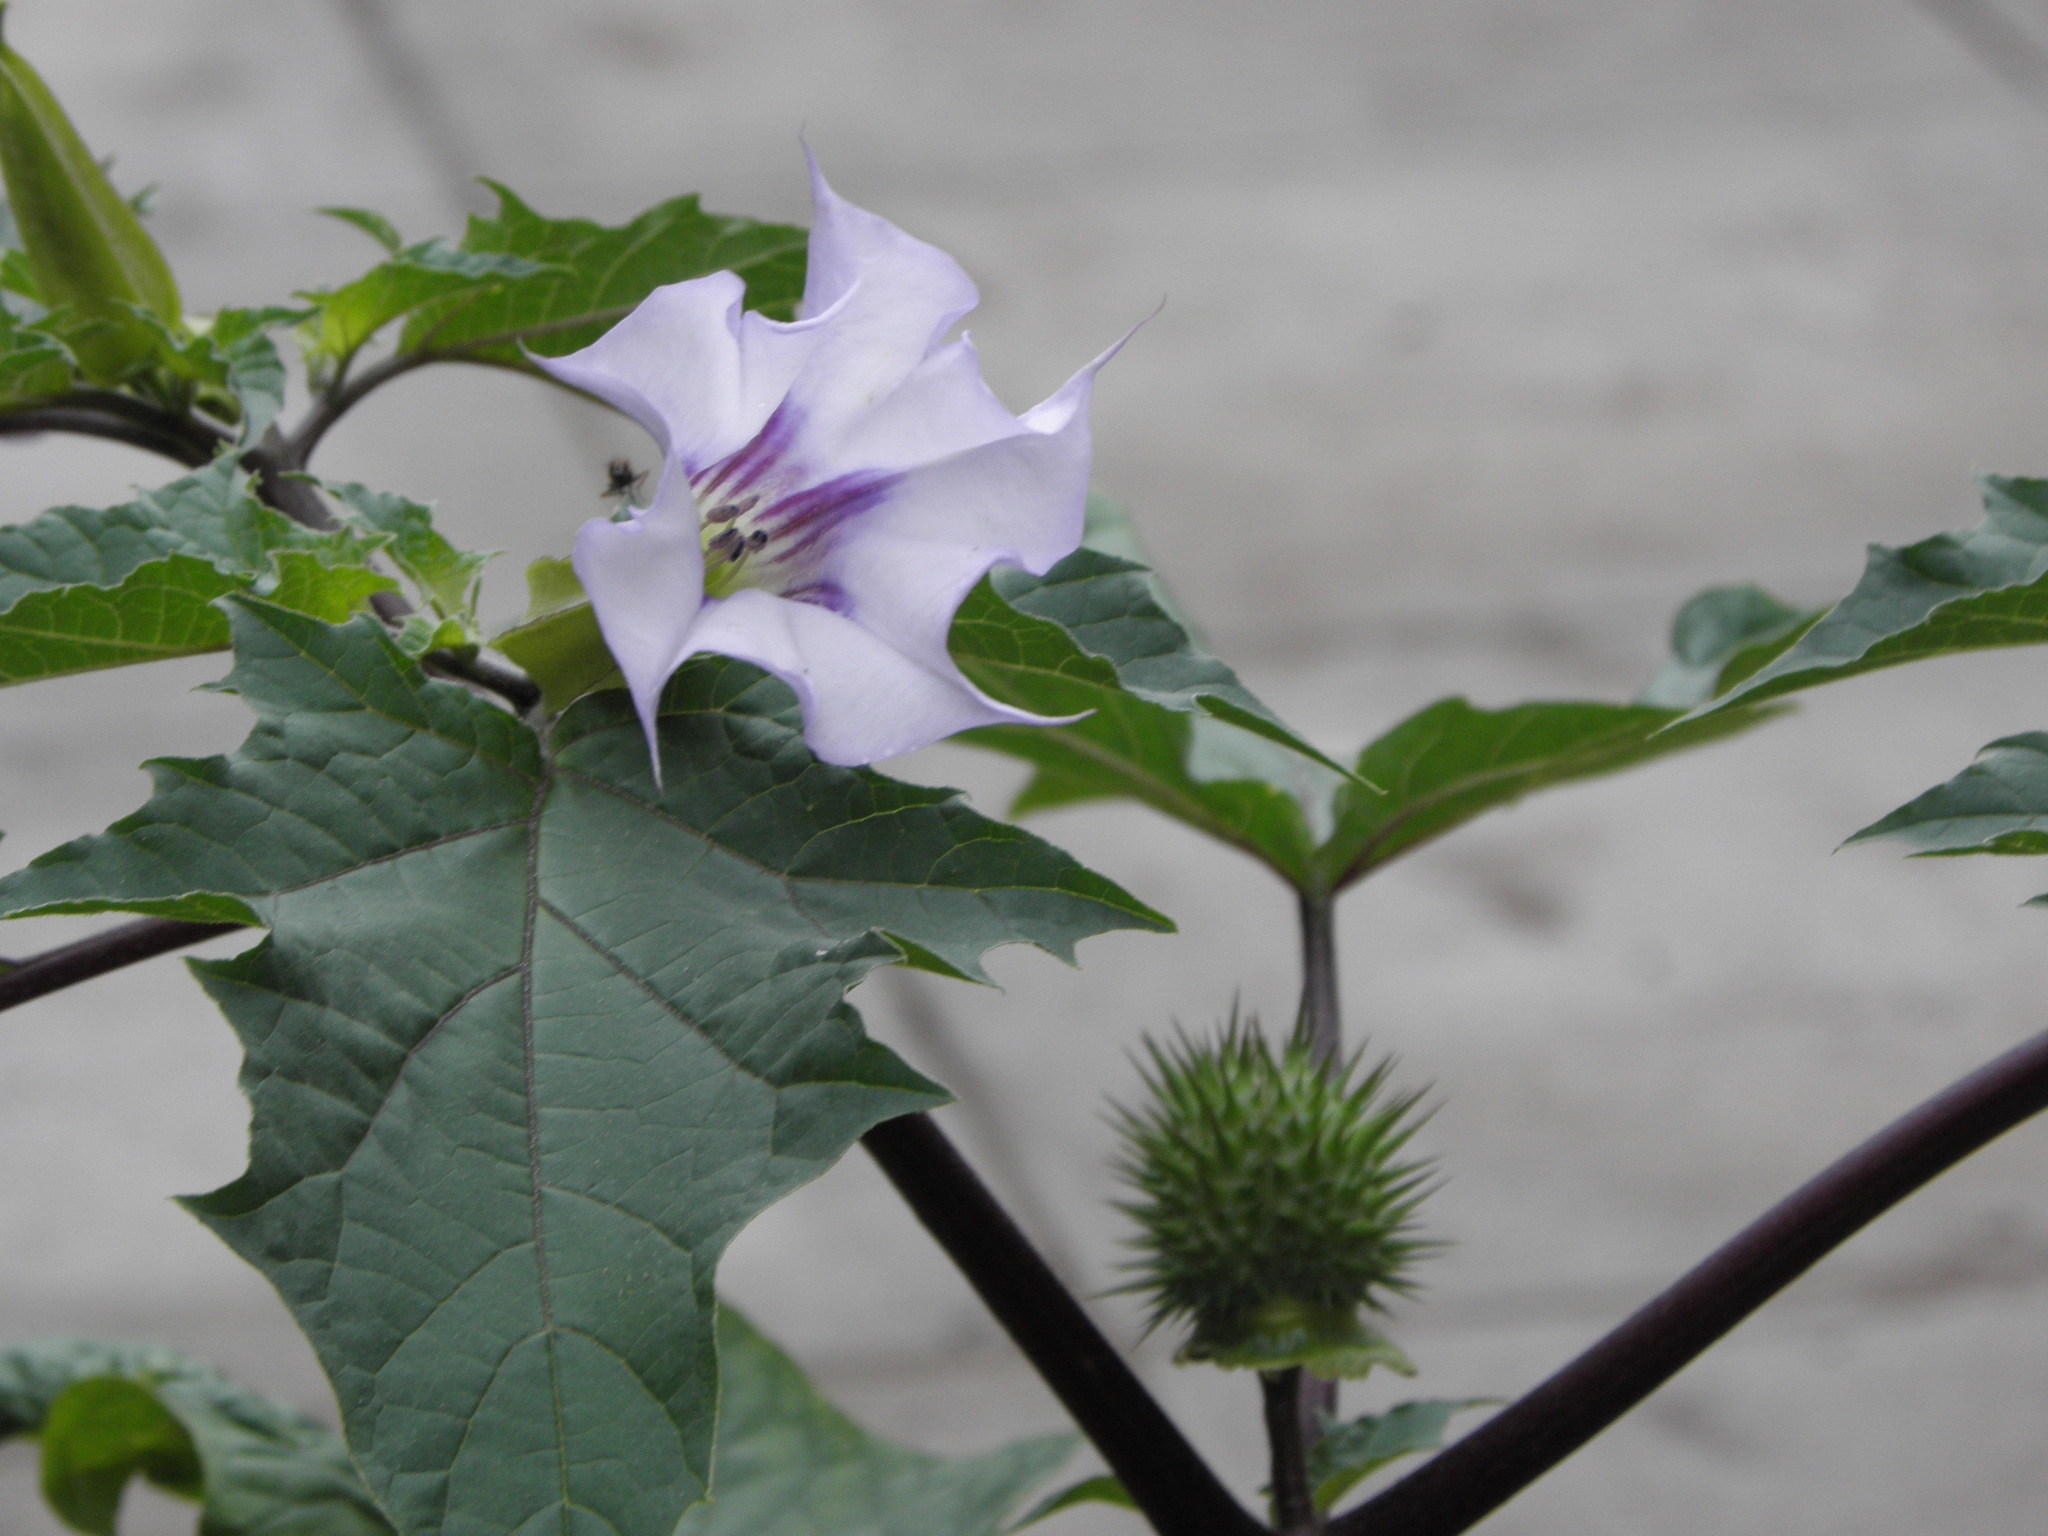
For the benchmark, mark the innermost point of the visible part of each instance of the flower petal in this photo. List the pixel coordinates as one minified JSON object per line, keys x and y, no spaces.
{"x":944,"y":406}
{"x":863,"y":700}
{"x":1020,"y":500}
{"x":883,"y":301}
{"x":645,"y":578}
{"x":692,"y":367}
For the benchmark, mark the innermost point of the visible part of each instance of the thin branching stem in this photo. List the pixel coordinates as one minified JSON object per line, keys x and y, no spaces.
{"x":295,"y":451}
{"x":121,"y":419}
{"x":1458,"y":1488}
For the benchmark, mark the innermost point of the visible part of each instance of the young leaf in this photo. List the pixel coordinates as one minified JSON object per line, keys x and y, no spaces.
{"x":444,"y":579}
{"x":591,"y":276}
{"x":375,"y":225}
{"x":1091,"y":635}
{"x":789,"y":1462}
{"x":231,"y":365}
{"x":33,"y":363}
{"x":107,"y":1413}
{"x":350,"y":315}
{"x":1952,"y":593}
{"x":531,"y":1039}
{"x":84,"y":588}
{"x":1349,"y":1453}
{"x":519,"y":281}
{"x":1999,"y":804}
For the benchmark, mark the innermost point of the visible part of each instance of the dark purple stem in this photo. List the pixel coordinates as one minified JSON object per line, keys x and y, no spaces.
{"x":68,"y":964}
{"x":1458,"y":1488}
{"x":1172,"y":1485}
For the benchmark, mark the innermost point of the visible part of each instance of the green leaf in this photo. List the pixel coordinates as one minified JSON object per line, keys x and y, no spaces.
{"x":350,"y":315}
{"x":1453,"y":761}
{"x":1101,"y":1489}
{"x":1721,"y":637}
{"x":1952,"y":593}
{"x":444,"y":579}
{"x":790,"y":1464}
{"x":1091,"y":636}
{"x":592,"y":276}
{"x":1350,"y":1452}
{"x":34,"y":364}
{"x":107,"y":1413}
{"x":84,"y":588}
{"x":1999,"y":804}
{"x":519,"y":281}
{"x":558,"y":643}
{"x":375,"y":225}
{"x":101,"y":1432}
{"x":531,"y":1039}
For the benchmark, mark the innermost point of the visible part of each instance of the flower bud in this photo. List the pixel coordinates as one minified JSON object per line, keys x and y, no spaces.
{"x":86,"y":249}
{"x":1274,"y":1201}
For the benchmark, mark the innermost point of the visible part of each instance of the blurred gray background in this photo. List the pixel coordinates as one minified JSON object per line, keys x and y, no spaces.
{"x":1494,"y":329}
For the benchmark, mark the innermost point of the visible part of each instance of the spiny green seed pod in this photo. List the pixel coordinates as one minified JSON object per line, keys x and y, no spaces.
{"x":1275,"y":1203}
{"x":86,"y":249}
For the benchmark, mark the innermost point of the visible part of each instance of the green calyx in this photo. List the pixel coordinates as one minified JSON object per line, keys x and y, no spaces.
{"x":87,"y":252}
{"x":1274,"y":1202}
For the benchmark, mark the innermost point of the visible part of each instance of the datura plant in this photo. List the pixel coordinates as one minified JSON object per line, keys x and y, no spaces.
{"x":557,"y":919}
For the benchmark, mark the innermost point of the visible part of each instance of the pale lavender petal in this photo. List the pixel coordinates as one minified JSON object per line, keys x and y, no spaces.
{"x":690,"y":366}
{"x":884,"y":300}
{"x":645,"y":578}
{"x":862,"y":699}
{"x":1020,"y":500}
{"x":941,"y":408}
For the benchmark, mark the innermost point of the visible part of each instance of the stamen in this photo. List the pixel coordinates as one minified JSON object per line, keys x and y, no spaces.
{"x":732,"y":509}
{"x":728,"y":545}
{"x":758,"y":539}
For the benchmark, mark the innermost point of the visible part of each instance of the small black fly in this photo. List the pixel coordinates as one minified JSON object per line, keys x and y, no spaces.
{"x":621,"y":482}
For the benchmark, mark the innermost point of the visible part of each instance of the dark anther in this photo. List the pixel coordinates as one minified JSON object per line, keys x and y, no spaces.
{"x":758,"y":539}
{"x":728,"y":544}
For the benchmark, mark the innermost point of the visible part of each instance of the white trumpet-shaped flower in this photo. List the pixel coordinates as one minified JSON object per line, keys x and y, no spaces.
{"x":831,"y":487}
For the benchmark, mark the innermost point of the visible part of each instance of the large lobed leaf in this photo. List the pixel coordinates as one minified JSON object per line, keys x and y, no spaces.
{"x":531,"y":1039}
{"x":1952,"y":593}
{"x":790,"y":1464}
{"x":107,"y":1413}
{"x":521,"y":282}
{"x":84,"y":588}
